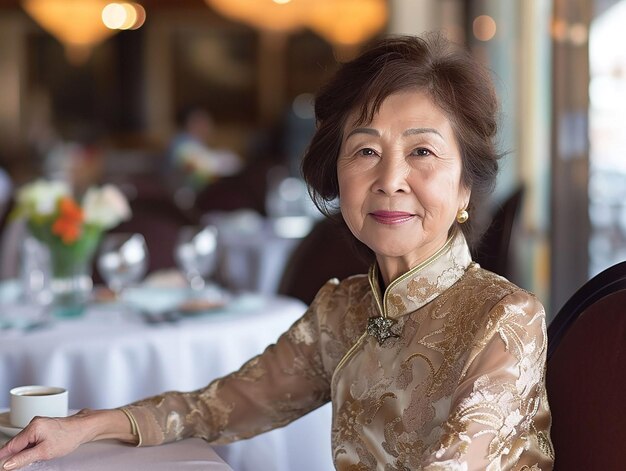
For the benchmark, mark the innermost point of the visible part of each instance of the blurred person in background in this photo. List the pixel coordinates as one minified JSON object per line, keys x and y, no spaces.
{"x":192,"y":158}
{"x":430,"y":361}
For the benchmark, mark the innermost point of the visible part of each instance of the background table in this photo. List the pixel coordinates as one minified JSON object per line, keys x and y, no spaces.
{"x":253,"y":251}
{"x":108,"y":358}
{"x":188,"y":455}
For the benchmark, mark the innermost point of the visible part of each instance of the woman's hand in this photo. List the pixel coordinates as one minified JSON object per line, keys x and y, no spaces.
{"x":45,"y":438}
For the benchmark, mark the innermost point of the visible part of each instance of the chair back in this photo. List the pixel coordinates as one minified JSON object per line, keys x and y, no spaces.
{"x":244,"y":190}
{"x":12,"y":234}
{"x":326,"y":252}
{"x":586,"y":374}
{"x":493,"y":250}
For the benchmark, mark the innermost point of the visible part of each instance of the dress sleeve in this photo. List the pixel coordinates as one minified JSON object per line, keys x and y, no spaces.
{"x":495,"y":407}
{"x":274,"y":388}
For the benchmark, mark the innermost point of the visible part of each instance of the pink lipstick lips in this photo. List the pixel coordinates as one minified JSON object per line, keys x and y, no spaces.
{"x":391,"y":217}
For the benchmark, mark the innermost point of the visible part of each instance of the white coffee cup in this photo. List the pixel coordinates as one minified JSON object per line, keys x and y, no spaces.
{"x":30,"y":401}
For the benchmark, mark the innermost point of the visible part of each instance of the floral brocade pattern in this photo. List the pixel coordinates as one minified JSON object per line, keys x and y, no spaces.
{"x":461,"y":386}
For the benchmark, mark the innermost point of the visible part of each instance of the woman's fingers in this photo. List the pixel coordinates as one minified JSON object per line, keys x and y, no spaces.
{"x":42,"y":439}
{"x":13,"y":449}
{"x":26,"y":447}
{"x":24,"y":458}
{"x":45,"y":438}
{"x":5,"y":451}
{"x":18,"y":443}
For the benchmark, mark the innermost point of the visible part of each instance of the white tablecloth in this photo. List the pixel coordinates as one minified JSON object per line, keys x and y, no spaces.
{"x":108,"y":358}
{"x":190,"y":455}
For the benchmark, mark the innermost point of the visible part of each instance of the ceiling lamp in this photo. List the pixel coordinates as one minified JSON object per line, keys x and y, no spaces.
{"x":347,"y":22}
{"x":80,"y":24}
{"x":76,"y":23}
{"x":341,"y":22}
{"x":269,"y":15}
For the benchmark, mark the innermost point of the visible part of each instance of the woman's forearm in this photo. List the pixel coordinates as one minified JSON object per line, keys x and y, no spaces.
{"x":107,"y":424}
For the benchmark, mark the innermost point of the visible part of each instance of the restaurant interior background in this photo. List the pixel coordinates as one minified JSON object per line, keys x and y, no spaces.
{"x":559,"y":67}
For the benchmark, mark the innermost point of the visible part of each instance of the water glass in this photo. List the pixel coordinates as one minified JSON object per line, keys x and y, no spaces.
{"x":35,"y":272}
{"x":123,"y":260}
{"x":196,"y":252}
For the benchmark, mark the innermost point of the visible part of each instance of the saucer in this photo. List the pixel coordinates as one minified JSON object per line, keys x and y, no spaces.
{"x":5,"y":424}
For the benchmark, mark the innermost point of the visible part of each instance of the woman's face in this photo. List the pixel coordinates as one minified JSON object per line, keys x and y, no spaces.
{"x":400,"y":181}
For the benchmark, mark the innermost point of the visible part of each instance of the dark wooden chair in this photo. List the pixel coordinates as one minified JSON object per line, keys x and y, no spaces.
{"x":326,"y":252}
{"x":5,"y":211}
{"x":11,"y":235}
{"x":245,"y":190}
{"x":493,"y":251}
{"x":586,"y":374}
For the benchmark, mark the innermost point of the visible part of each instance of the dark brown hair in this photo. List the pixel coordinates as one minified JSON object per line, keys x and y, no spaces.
{"x":455,"y":81}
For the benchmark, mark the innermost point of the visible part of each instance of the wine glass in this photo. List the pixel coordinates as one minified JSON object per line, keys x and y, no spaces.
{"x":123,"y":260}
{"x":195,"y":253}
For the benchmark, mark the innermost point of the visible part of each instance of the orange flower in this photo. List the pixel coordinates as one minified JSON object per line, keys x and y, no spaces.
{"x":68,"y":225}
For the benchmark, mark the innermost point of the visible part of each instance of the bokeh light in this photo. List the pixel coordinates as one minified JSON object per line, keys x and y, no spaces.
{"x":484,"y":27}
{"x":113,"y":15}
{"x":125,"y":15}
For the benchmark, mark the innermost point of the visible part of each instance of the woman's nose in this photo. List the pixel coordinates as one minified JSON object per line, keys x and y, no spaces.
{"x":391,"y":176}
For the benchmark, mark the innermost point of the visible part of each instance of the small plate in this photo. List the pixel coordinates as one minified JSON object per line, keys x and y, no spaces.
{"x":196,"y":306}
{"x":11,"y":430}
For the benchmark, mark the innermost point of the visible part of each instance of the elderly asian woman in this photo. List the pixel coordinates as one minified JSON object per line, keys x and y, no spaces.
{"x":430,"y":361}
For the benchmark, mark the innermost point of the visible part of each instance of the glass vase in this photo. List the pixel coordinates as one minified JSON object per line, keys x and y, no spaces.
{"x":71,"y":292}
{"x":71,"y":271}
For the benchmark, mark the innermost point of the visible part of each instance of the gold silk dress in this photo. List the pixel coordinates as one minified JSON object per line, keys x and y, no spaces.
{"x":442,"y":371}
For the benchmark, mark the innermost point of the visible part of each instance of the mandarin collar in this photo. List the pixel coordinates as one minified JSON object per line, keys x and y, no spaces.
{"x":426,"y":281}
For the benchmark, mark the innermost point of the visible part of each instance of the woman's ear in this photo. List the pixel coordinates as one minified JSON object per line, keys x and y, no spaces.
{"x":465,"y":196}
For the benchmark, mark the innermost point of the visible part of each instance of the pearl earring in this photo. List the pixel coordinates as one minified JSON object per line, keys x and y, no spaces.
{"x":461,"y":216}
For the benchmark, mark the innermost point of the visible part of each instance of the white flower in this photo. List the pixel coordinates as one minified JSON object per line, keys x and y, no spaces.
{"x":40,"y":197}
{"x":105,"y":207}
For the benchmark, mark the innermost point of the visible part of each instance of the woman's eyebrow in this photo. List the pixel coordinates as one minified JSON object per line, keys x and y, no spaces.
{"x":413,"y":131}
{"x":370,"y":131}
{"x":408,"y":132}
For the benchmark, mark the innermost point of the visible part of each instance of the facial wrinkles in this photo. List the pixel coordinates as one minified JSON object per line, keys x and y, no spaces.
{"x":432,"y":189}
{"x":442,"y":180}
{"x":397,"y":157}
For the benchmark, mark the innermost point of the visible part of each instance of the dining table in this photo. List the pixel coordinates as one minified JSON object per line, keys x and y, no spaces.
{"x":118,"y":352}
{"x":192,"y":454}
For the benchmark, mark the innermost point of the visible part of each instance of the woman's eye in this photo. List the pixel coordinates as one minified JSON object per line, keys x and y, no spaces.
{"x":422,"y":152}
{"x":366,"y":152}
